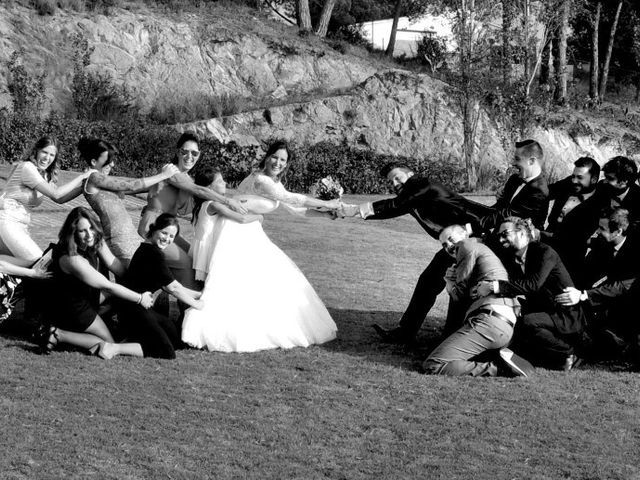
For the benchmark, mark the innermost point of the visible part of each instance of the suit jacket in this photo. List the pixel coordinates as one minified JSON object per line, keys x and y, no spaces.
{"x":632,"y":202}
{"x":432,"y":204}
{"x":570,"y":237}
{"x":560,"y":192}
{"x":624,"y":266}
{"x":531,"y":202}
{"x":543,"y":278}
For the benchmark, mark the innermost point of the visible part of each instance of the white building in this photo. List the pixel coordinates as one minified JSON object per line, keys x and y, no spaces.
{"x":409,"y":34}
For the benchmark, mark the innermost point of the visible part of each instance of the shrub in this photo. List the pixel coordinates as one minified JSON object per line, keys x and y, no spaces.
{"x":45,"y":7}
{"x":26,"y":90}
{"x":432,"y":52}
{"x":196,"y":106}
{"x":95,"y":96}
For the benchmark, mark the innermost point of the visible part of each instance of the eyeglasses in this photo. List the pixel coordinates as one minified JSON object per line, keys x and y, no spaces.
{"x":505,"y":233}
{"x":193,"y":153}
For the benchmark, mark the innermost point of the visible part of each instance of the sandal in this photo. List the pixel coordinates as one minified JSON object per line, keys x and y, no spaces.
{"x":47,"y":337}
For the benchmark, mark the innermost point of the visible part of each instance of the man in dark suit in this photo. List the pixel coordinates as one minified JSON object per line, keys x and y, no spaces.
{"x":574,"y":216}
{"x":620,"y":175}
{"x":572,"y":191}
{"x":526,"y":193}
{"x":612,"y":266}
{"x":436,"y":207}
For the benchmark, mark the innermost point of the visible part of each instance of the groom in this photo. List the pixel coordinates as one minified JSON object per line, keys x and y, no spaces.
{"x":435,"y":207}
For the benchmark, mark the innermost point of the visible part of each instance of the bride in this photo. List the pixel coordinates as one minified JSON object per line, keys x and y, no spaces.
{"x":255,"y":297}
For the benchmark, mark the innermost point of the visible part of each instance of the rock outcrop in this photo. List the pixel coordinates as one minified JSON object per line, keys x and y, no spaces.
{"x":160,"y":57}
{"x":393,"y":112}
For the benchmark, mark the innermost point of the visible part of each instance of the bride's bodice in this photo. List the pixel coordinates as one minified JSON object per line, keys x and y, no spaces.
{"x":259,"y":193}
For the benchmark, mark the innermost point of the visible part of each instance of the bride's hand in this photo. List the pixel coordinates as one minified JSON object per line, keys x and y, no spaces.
{"x":333,"y":204}
{"x":198,"y":304}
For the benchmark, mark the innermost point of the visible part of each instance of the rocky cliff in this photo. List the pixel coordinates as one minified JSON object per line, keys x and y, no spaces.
{"x":162,"y":57}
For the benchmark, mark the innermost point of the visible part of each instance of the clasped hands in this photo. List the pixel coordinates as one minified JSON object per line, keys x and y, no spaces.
{"x":482,"y":289}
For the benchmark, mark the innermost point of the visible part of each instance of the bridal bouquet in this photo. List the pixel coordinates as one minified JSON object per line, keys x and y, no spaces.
{"x":326,"y":188}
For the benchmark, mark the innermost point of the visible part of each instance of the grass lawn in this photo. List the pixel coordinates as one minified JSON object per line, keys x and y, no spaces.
{"x":351,"y":409}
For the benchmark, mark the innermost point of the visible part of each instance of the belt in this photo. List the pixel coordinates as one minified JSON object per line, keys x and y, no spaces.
{"x":493,"y":313}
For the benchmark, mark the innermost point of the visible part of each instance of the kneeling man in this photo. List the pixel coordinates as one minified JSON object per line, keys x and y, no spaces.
{"x":489,"y":321}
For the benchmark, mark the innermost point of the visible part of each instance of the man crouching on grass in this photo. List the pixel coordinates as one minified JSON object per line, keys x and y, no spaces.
{"x":489,"y":321}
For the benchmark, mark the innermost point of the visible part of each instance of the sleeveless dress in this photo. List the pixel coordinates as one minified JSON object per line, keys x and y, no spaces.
{"x":119,"y":232}
{"x":255,"y":297}
{"x":18,"y":198}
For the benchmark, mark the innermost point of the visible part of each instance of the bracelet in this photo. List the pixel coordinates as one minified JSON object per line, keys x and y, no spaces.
{"x":139,"y":300}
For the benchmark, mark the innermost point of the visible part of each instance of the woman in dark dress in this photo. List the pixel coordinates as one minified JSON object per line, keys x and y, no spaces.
{"x":78,"y":260}
{"x":148,"y":271}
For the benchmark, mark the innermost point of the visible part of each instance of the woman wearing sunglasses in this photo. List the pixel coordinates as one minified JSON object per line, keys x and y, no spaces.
{"x":175,"y":196}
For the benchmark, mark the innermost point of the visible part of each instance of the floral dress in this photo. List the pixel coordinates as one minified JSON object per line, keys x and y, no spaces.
{"x":8,"y":284}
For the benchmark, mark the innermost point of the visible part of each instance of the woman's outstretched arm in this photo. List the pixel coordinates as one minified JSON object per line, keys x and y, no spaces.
{"x":66,"y":192}
{"x":184,"y":182}
{"x":80,"y":268}
{"x":119,"y":184}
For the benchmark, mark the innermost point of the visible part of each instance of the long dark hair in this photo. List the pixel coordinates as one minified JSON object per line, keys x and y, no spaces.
{"x":164,"y":220}
{"x":92,"y":148}
{"x":67,"y":235}
{"x":51,"y":173}
{"x":204,"y":178}
{"x":273,"y":148}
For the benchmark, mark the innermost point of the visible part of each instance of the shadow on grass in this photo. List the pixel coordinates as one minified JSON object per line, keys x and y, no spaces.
{"x":356,"y":337}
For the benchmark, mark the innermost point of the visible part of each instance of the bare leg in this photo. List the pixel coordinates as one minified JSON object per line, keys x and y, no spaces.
{"x":108,"y":350}
{"x":100,"y":329}
{"x":82,"y":340}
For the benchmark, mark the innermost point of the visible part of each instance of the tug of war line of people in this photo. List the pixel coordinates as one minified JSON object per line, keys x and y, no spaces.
{"x":527,"y":286}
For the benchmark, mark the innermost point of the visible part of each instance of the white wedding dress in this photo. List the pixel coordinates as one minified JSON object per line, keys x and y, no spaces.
{"x":255,"y":297}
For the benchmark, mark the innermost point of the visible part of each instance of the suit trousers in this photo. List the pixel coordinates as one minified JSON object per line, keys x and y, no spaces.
{"x":542,"y":342}
{"x":480,"y":332}
{"x":429,"y":286}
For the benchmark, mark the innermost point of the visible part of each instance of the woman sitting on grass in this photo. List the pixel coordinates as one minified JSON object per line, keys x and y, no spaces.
{"x":29,"y":182}
{"x":78,"y":261}
{"x":101,"y":192}
{"x":148,"y":271}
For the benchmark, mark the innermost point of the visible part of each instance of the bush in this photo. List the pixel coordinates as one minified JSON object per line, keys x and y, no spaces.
{"x":27,"y":91}
{"x":432,"y":52}
{"x":196,"y":106}
{"x":95,"y":96}
{"x":45,"y":7}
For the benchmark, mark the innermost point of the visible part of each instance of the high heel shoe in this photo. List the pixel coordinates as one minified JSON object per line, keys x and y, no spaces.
{"x":47,"y":337}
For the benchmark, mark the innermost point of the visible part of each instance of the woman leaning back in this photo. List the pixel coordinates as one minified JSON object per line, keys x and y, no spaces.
{"x":29,"y":182}
{"x":175,"y":196}
{"x":103,"y":191}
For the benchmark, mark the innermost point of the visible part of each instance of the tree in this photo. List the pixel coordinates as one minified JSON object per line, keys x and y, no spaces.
{"x":394,"y":29}
{"x":560,"y":60}
{"x":595,"y":55}
{"x":508,"y":13}
{"x":607,"y":59}
{"x":303,"y":15}
{"x":325,"y":16}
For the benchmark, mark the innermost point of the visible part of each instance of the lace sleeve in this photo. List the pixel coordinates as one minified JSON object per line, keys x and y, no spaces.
{"x":266,"y":187}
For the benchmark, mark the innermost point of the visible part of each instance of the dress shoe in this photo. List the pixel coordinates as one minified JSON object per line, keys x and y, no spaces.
{"x":515,"y":364}
{"x":572,"y":361}
{"x":393,"y":335}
